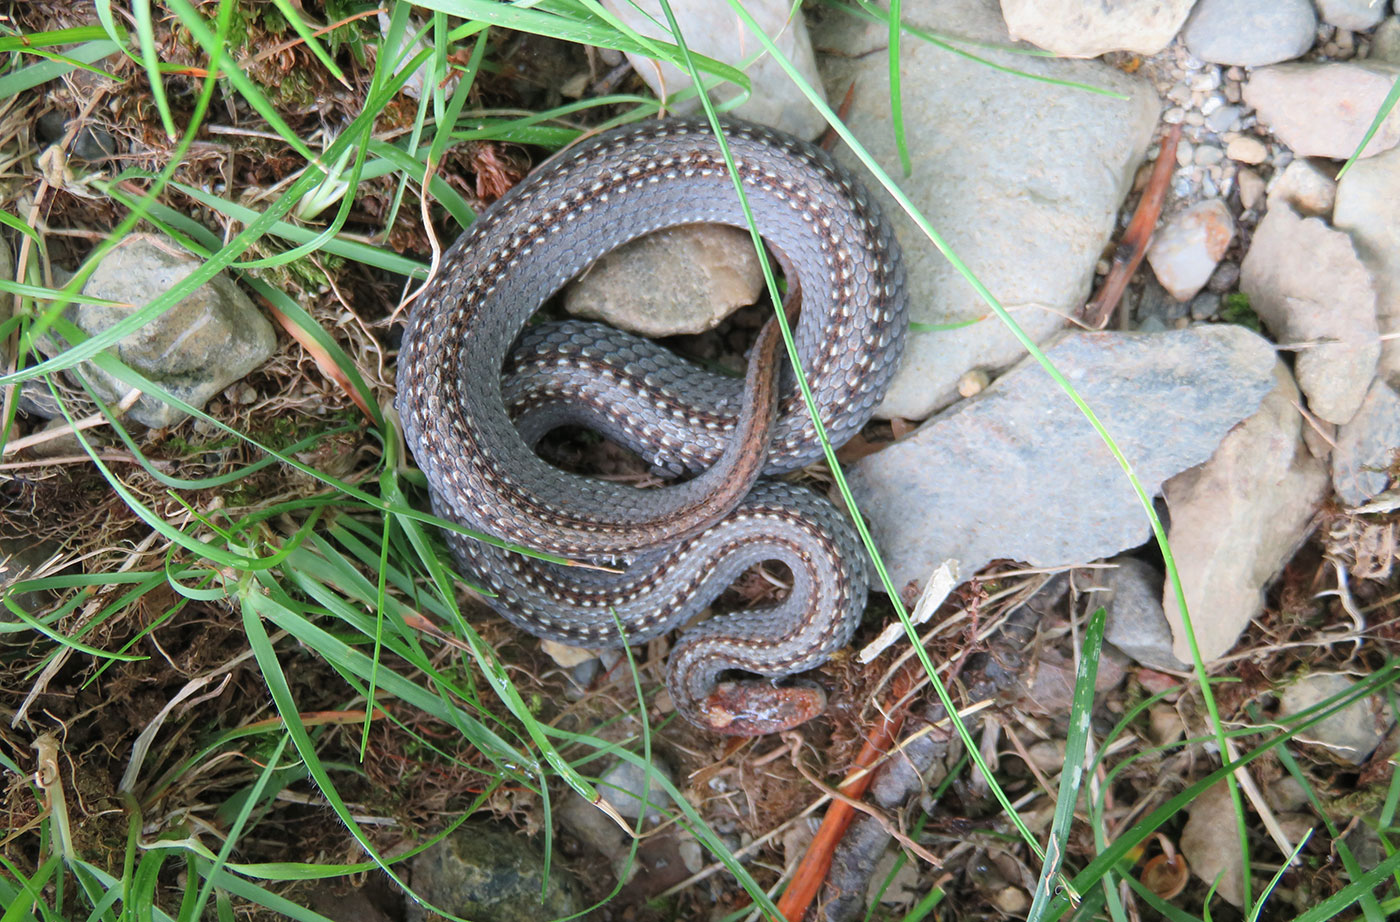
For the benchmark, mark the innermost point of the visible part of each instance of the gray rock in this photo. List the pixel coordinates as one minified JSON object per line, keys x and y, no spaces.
{"x":1350,"y":734}
{"x":1185,"y":250}
{"x":1212,"y":847}
{"x":1087,"y":30}
{"x":1250,"y":32}
{"x":961,"y":485}
{"x":489,"y":873}
{"x":1205,"y":306}
{"x":1031,"y":221}
{"x":1304,"y":187}
{"x":683,"y":280}
{"x":1306,"y":282}
{"x":200,"y":346}
{"x":627,"y":787}
{"x":1237,"y":519}
{"x":1385,"y":42}
{"x":20,"y":557}
{"x":714,"y":30}
{"x":1368,"y":208}
{"x":663,"y":858}
{"x":1132,"y":595}
{"x":1324,"y":110}
{"x":1366,"y":446}
{"x":1353,"y":15}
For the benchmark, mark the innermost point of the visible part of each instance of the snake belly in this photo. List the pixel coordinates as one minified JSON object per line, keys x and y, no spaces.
{"x":677,"y":548}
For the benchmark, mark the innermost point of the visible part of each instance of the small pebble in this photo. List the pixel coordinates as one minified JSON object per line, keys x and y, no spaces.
{"x":1224,"y":279}
{"x":1246,"y":149}
{"x":1222,"y":118}
{"x":1235,"y":74}
{"x":973,"y":382}
{"x":1195,"y":118}
{"x":1207,"y":155}
{"x":1205,"y":306}
{"x":1184,"y":153}
{"x":1207,"y":80}
{"x":1232,"y":92}
{"x":1174,"y":116}
{"x":1211,"y":104}
{"x":1180,"y":94}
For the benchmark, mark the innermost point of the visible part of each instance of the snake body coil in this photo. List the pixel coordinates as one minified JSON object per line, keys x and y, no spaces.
{"x":681,"y":543}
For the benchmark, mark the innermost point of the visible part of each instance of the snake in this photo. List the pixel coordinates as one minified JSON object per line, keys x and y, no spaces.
{"x":478,"y":384}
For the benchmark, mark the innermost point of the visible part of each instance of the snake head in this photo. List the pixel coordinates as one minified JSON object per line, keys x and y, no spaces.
{"x":755,"y":707}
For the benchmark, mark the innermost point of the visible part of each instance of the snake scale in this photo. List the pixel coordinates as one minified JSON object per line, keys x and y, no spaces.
{"x":475,"y":395}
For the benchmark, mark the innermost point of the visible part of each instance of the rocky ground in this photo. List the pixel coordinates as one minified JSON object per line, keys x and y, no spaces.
{"x":1248,"y":375}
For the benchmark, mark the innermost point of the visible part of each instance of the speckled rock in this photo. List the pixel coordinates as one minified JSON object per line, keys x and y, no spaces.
{"x":958,"y":487}
{"x":1087,"y":30}
{"x":1250,"y":32}
{"x":1238,"y":518}
{"x":1367,"y":446}
{"x":1368,"y":208}
{"x":209,"y":340}
{"x":1071,"y":166}
{"x":1324,"y":110}
{"x":713,"y":29}
{"x":490,"y":873}
{"x":1306,"y":282}
{"x":683,"y":280}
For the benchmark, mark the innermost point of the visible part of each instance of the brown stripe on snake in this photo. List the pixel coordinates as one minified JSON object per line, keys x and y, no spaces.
{"x":681,"y":544}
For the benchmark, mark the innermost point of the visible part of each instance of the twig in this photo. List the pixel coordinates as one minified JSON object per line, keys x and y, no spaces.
{"x":812,"y":870}
{"x":1133,"y":247}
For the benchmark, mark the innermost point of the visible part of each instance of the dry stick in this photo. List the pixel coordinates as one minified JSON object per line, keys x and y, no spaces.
{"x":1133,"y":247}
{"x":87,"y":422}
{"x":812,"y":870}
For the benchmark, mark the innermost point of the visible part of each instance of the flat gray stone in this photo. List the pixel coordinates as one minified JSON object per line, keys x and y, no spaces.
{"x":200,"y":346}
{"x":1306,"y":282}
{"x":1368,"y":208}
{"x":1086,"y":30}
{"x":1324,"y":110}
{"x":1350,"y":734}
{"x":1250,"y":32}
{"x":682,"y":280}
{"x":1367,"y":446}
{"x":1132,"y":595}
{"x":713,"y":29}
{"x":1031,"y":222}
{"x":1238,"y":518}
{"x":1018,"y":473}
